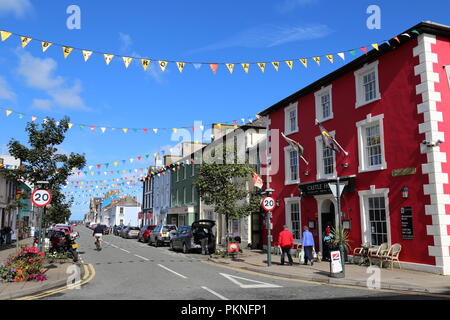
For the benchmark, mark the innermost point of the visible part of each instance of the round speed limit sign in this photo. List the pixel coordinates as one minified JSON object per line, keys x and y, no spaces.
{"x":41,"y":197}
{"x":268,"y":203}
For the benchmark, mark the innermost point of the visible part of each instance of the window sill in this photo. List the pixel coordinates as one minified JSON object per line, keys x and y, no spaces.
{"x":288,"y":183}
{"x":377,"y":168}
{"x":361,"y":104}
{"x":290,"y":132}
{"x":325,"y":119}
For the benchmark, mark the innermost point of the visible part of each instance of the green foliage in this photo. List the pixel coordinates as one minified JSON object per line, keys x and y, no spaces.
{"x":41,"y":161}
{"x":337,"y":236}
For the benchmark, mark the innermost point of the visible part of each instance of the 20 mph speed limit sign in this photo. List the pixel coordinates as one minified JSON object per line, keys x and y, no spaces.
{"x":41,"y":197}
{"x":268,"y":203}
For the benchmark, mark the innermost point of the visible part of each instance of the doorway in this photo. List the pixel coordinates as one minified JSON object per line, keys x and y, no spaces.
{"x":328,"y":216}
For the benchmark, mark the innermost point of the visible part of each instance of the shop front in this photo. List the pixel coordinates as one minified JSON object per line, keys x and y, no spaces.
{"x":181,"y":216}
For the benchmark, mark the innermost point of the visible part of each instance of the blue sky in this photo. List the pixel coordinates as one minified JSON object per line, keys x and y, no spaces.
{"x":46,"y":84}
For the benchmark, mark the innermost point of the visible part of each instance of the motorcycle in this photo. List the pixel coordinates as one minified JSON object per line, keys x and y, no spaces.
{"x":64,"y":242}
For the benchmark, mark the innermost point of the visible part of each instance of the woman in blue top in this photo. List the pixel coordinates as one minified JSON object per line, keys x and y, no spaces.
{"x":308,"y":245}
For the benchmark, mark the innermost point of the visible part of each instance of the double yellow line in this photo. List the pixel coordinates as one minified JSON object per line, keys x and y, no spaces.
{"x":89,"y":274}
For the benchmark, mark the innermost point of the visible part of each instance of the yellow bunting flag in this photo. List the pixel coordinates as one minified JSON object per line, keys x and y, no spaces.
{"x":246,"y":66}
{"x":290,"y":63}
{"x":25,"y":41}
{"x":116,"y":163}
{"x":276,"y":64}
{"x":86,"y":55}
{"x":304,"y":62}
{"x":8,"y":112}
{"x":258,"y":116}
{"x":174,"y":129}
{"x":262,"y":66}
{"x":70,"y":125}
{"x":125,"y":130}
{"x":145,"y":63}
{"x":163,"y":65}
{"x":317,"y":59}
{"x":230,"y":67}
{"x":127,"y":61}
{"x":45,"y":45}
{"x":375,"y":45}
{"x":66,"y":51}
{"x":180,"y":66}
{"x":5,"y":35}
{"x":330,"y":57}
{"x":108,"y":58}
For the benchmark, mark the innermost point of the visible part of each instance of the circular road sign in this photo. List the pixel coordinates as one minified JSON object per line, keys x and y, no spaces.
{"x":41,"y":197}
{"x":268,"y":203}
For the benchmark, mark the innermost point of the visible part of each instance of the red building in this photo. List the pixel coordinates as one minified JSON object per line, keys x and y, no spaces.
{"x":389,"y":109}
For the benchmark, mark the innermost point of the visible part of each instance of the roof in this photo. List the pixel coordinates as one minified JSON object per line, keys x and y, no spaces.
{"x":423,"y":27}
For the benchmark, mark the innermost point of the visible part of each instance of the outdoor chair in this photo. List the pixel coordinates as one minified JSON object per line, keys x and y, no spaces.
{"x":377,"y":253}
{"x":392,"y":255}
{"x":361,"y":253}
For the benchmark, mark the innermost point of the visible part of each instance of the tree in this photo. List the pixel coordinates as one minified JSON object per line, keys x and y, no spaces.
{"x":42,"y":162}
{"x":223,"y":186}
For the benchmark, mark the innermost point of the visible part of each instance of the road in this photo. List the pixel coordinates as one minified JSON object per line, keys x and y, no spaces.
{"x":126,"y":269}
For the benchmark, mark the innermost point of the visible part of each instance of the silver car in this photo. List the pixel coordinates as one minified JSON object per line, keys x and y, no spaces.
{"x":130,"y":232}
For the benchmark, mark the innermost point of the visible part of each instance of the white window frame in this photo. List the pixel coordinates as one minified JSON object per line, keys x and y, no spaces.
{"x":364,"y":209}
{"x":359,"y":75}
{"x":288,"y":220}
{"x":319,"y":159}
{"x":362,"y":153}
{"x":287,"y":167}
{"x":318,"y":97}
{"x":287,"y":121}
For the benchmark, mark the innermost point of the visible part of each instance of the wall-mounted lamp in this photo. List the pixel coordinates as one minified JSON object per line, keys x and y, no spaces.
{"x":344,"y":165}
{"x":405,"y":192}
{"x":431,"y":144}
{"x":306,"y":173}
{"x":278,"y":203}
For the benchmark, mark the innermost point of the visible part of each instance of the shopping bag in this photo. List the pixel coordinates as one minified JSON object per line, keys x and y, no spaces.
{"x":301,"y":256}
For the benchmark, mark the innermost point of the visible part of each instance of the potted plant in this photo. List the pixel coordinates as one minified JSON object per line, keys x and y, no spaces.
{"x":336,"y":240}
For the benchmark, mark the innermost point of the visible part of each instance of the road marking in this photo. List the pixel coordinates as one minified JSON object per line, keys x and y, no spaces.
{"x":259,"y":284}
{"x":141,"y":257}
{"x":112,"y":245}
{"x":215,"y":293}
{"x":180,"y":275}
{"x":124,"y":250}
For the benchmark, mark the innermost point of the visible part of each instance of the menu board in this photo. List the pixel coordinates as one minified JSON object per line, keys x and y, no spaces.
{"x":407,"y":223}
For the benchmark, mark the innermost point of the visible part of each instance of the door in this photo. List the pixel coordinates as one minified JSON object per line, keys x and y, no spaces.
{"x":256,"y":241}
{"x":328,"y":220}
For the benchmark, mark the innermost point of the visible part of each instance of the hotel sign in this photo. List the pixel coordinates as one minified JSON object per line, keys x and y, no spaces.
{"x":322,"y":187}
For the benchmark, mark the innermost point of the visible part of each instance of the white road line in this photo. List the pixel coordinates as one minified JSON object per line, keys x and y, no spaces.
{"x":215,"y":293}
{"x":112,"y":245}
{"x":180,"y":275}
{"x":141,"y":257}
{"x":124,"y":250}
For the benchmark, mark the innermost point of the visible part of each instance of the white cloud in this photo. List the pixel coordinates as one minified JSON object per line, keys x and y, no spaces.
{"x":290,"y":5}
{"x":267,"y":35}
{"x":19,"y":8}
{"x":125,"y":41}
{"x":40,"y":74}
{"x":5,"y":92}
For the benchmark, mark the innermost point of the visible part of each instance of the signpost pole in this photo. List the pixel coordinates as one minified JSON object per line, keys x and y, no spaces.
{"x":341,"y":232}
{"x":40,"y":228}
{"x":269,"y":239}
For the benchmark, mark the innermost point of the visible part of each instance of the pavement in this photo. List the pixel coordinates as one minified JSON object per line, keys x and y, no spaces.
{"x":56,"y":273}
{"x":355,"y":275}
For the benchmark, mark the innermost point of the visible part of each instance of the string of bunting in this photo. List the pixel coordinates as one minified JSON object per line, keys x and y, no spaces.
{"x":163,"y":63}
{"x":103,"y":129}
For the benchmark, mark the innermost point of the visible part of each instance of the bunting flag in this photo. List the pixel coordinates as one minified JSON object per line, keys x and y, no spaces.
{"x":162,"y":65}
{"x":66,"y":51}
{"x":25,"y":40}
{"x":213,"y":67}
{"x":145,"y":63}
{"x":304,"y":62}
{"x":8,"y":112}
{"x":180,"y":66}
{"x":290,"y":63}
{"x":127,"y":61}
{"x":317,"y":60}
{"x":296,"y":146}
{"x":257,"y":181}
{"x":86,"y":55}
{"x":262,"y":66}
{"x":45,"y":45}
{"x":108,"y":58}
{"x":5,"y":35}
{"x":245,"y":66}
{"x":276,"y":64}
{"x":329,"y":141}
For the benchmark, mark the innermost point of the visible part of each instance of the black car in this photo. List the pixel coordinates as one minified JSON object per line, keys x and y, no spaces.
{"x":186,"y":238}
{"x":117,"y":230}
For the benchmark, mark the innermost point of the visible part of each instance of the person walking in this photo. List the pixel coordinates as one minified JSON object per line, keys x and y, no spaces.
{"x":286,"y":243}
{"x":308,"y":245}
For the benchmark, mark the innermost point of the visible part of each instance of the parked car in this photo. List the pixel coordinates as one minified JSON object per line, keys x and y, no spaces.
{"x":144,"y":234}
{"x":130,"y":232}
{"x":62,"y":225}
{"x":117,"y":230}
{"x":161,"y":234}
{"x":104,"y":228}
{"x":186,"y":238}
